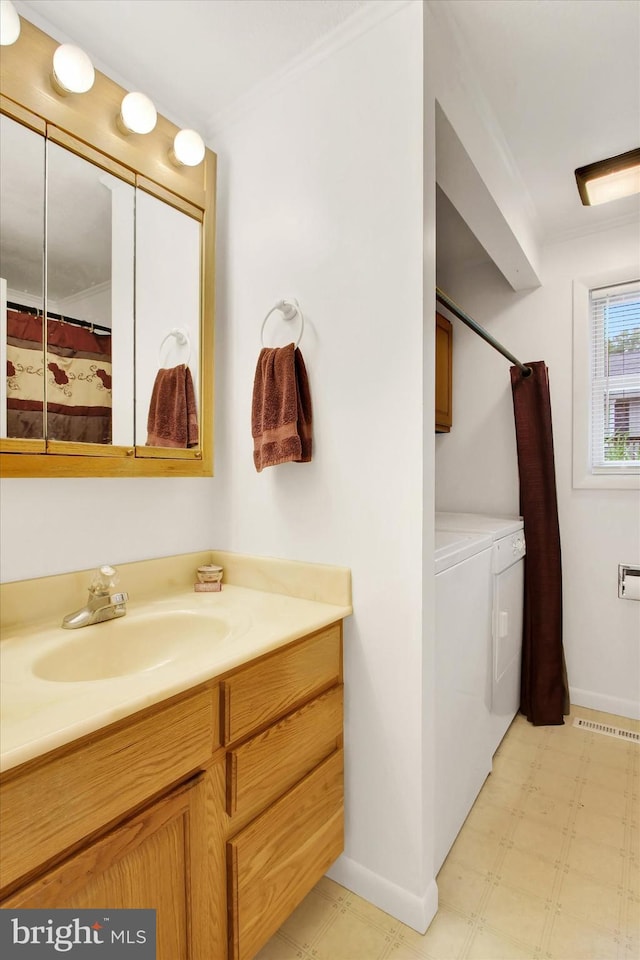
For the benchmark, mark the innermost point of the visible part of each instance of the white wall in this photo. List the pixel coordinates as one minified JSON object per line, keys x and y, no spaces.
{"x":321,"y":199}
{"x":50,"y":526}
{"x":476,"y":466}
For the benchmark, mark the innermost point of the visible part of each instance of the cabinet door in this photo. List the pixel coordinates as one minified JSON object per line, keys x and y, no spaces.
{"x":98,"y":782}
{"x":444,"y":371}
{"x":145,"y":863}
{"x":277,"y":859}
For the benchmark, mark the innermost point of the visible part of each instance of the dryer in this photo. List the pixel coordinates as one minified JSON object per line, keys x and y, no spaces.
{"x":507,"y":589}
{"x":462,"y":565}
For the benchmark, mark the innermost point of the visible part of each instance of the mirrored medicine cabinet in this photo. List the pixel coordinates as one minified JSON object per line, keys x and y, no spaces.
{"x":106,"y":278}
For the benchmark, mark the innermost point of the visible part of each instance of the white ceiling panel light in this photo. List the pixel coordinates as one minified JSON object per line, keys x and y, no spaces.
{"x":137,"y":114}
{"x":609,"y":179}
{"x":9,"y":23}
{"x":188,"y":148}
{"x":72,"y":70}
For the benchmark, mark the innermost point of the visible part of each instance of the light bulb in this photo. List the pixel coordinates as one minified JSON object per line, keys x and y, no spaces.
{"x":72,"y":70}
{"x":9,"y":23}
{"x":612,"y":186}
{"x":137,"y":114}
{"x":188,"y":148}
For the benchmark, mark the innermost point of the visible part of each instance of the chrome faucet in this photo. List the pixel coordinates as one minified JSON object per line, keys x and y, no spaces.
{"x":103,"y":602}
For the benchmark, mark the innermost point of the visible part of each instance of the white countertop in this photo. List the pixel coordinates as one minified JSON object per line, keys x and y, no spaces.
{"x":38,"y":715}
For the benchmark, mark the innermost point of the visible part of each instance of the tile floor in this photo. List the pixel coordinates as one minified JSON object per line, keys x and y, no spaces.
{"x":546,"y":866}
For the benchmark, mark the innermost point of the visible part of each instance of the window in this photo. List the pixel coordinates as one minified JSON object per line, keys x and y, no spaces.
{"x":606,"y":382}
{"x":615,"y":377}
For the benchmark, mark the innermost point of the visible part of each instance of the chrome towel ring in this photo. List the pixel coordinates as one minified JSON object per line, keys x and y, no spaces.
{"x":290,"y":309}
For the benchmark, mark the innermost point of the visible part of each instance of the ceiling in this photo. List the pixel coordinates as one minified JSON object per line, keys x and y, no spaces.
{"x":561,"y":76}
{"x":563,"y":79}
{"x":193,"y":57}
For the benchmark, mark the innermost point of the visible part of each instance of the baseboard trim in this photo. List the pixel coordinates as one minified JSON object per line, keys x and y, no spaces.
{"x":417,"y":912}
{"x":600,"y":701}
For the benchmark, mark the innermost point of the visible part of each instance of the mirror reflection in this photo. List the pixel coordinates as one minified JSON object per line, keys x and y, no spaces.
{"x":90,"y":271}
{"x":120,"y":362}
{"x":22,"y":196}
{"x":168,"y":283}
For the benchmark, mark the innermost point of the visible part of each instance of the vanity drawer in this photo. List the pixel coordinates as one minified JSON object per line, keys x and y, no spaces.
{"x":281,"y":855}
{"x":52,"y":806}
{"x":261,"y":769}
{"x":257,"y":695}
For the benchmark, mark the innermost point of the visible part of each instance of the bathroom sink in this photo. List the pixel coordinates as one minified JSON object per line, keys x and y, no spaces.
{"x":130,"y":645}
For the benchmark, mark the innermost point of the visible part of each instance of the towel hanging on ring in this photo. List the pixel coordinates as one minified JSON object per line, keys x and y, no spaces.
{"x":173,"y":416}
{"x":281,"y":413}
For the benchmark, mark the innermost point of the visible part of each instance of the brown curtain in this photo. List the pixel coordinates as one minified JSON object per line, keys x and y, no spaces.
{"x":544,"y":695}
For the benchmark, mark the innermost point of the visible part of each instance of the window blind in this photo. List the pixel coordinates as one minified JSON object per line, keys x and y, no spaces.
{"x":615,"y":378}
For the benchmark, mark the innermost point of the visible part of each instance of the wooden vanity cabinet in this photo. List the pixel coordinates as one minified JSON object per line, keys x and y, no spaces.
{"x":102,"y":824}
{"x":220,"y":809}
{"x":444,"y":374}
{"x":148,"y":862}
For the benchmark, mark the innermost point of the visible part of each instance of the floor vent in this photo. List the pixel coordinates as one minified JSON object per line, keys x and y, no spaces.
{"x":630,"y":735}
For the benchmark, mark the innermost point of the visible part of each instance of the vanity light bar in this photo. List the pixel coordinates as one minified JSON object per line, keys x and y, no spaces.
{"x":73,"y":72}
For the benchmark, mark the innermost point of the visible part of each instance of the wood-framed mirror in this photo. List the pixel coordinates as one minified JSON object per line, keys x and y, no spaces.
{"x":102,"y":234}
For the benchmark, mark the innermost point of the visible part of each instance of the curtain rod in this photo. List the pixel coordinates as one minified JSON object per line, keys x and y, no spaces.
{"x":461,"y":315}
{"x":21,"y":308}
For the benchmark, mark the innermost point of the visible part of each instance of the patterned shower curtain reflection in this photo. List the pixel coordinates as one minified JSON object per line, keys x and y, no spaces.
{"x":78,"y":380}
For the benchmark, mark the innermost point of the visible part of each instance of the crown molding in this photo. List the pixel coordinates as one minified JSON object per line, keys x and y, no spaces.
{"x":345,"y":33}
{"x":96,"y":289}
{"x":603,"y":226}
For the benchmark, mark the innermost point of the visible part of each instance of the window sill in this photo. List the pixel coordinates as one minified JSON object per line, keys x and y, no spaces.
{"x":606,"y":481}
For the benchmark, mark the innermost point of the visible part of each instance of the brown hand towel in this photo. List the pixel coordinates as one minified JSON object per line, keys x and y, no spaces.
{"x":173,"y":418}
{"x":281,"y":408}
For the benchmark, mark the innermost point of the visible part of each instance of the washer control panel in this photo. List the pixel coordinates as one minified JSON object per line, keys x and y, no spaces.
{"x":508,"y":550}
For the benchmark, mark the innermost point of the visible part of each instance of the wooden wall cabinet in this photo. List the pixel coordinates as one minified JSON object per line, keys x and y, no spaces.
{"x":444,"y":374}
{"x":220,"y":809}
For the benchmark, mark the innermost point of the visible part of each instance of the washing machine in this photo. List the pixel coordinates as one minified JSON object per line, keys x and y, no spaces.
{"x":463,"y":755}
{"x":507,"y":590}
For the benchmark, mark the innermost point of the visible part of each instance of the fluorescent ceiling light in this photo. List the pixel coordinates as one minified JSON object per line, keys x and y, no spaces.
{"x":609,"y":179}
